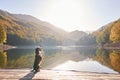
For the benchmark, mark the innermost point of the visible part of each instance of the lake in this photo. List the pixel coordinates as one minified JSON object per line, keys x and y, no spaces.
{"x":64,"y":58}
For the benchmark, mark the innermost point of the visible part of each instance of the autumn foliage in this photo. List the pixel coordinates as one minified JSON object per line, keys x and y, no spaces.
{"x":115,"y":32}
{"x":2,"y":34}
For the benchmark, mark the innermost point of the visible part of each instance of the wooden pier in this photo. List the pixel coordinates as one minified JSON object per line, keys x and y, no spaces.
{"x":50,"y":74}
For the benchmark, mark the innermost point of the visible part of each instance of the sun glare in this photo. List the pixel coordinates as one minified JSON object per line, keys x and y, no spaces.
{"x":69,"y":14}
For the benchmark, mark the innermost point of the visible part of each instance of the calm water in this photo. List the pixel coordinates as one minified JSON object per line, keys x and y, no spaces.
{"x":64,"y":58}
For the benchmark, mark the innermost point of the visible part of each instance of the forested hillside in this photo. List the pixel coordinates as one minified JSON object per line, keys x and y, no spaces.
{"x":20,"y":29}
{"x":109,"y":33}
{"x":27,"y":30}
{"x":74,"y":37}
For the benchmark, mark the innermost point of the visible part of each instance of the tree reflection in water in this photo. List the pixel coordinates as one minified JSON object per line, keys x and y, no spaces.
{"x":115,"y":60}
{"x":3,"y":59}
{"x":109,"y":58}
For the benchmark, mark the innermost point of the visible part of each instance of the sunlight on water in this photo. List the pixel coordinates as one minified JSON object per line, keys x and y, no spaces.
{"x":92,"y":66}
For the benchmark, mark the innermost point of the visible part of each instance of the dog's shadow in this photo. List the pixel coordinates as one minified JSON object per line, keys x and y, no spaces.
{"x":29,"y":76}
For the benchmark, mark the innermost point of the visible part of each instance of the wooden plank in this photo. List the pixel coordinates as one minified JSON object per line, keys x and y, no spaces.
{"x":26,"y":74}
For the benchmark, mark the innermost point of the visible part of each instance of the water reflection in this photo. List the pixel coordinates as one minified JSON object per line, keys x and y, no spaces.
{"x":20,"y":58}
{"x":109,"y":58}
{"x":84,"y":59}
{"x":3,"y":59}
{"x":115,"y":60}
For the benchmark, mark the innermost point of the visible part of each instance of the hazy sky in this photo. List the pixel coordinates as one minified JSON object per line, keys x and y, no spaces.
{"x":86,"y":15}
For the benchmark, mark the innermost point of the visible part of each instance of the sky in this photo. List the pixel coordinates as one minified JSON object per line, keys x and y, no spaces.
{"x":70,"y":15}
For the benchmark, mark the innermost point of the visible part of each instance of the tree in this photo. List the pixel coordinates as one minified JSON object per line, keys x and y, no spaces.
{"x":87,"y":40}
{"x":115,"y":32}
{"x":2,"y":34}
{"x":103,"y":37}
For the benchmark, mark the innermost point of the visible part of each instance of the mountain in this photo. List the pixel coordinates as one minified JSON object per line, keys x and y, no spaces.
{"x":24,"y":29}
{"x":76,"y":35}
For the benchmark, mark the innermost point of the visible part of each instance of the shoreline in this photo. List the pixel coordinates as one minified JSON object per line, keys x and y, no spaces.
{"x":112,"y":48}
{"x":6,"y":47}
{"x":106,"y":46}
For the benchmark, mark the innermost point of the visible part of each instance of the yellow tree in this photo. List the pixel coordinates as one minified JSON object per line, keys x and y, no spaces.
{"x":2,"y":34}
{"x":115,"y":32}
